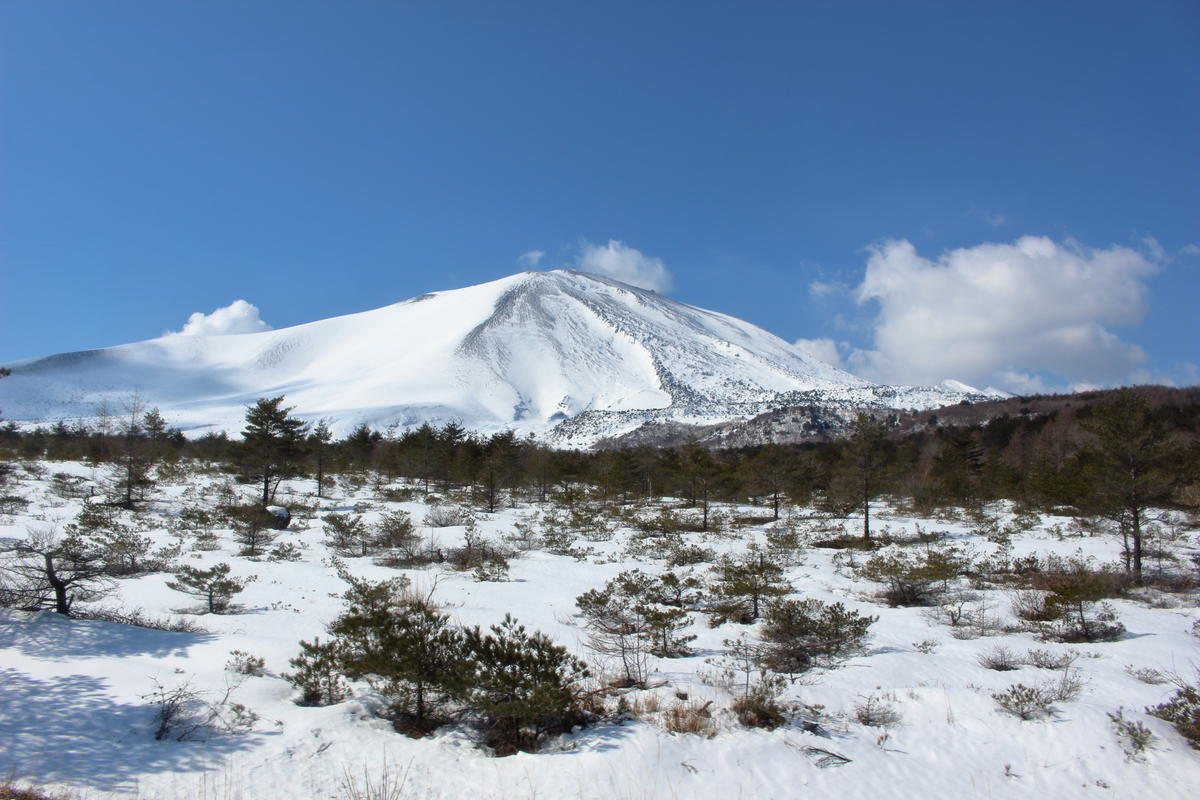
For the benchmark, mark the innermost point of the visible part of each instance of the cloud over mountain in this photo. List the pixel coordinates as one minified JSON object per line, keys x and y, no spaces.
{"x":626,"y":264}
{"x":999,"y":313}
{"x":237,"y":317}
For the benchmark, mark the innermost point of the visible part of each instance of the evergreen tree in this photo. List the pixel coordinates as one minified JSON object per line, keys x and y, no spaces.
{"x":212,"y":585}
{"x":49,"y":571}
{"x":744,"y":583}
{"x":273,"y":442}
{"x":798,"y":633}
{"x":522,"y":684}
{"x":1132,"y":465}
{"x":403,"y":645}
{"x":320,"y":437}
{"x":318,"y":673}
{"x":863,"y":460}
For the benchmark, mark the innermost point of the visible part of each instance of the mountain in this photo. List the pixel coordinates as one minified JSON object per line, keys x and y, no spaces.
{"x":574,"y":356}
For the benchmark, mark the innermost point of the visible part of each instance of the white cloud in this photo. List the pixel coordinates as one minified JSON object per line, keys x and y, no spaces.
{"x":531,"y":259}
{"x":626,"y":264}
{"x":821,"y":349}
{"x":1156,"y":251}
{"x":237,"y":317}
{"x":1190,"y":250}
{"x":1002,"y":313}
{"x":825,"y":288}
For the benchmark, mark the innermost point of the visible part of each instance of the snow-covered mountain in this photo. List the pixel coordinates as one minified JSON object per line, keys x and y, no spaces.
{"x":528,"y":352}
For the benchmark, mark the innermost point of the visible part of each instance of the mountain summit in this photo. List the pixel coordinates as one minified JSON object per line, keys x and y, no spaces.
{"x":526,"y":352}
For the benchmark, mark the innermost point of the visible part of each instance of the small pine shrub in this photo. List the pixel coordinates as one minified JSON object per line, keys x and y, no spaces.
{"x":1024,"y":702}
{"x":875,"y":712}
{"x":1134,"y":736}
{"x":523,"y":686}
{"x":757,"y":711}
{"x":801,"y":634}
{"x":1182,"y":711}
{"x":213,"y":585}
{"x":244,"y":663}
{"x":913,"y":579}
{"x":285,"y":551}
{"x":318,"y":673}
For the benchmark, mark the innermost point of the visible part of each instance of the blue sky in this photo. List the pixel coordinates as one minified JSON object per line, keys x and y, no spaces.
{"x":1005,"y":194}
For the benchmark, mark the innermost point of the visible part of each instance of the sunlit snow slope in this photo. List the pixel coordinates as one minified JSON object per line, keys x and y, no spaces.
{"x":524,"y":352}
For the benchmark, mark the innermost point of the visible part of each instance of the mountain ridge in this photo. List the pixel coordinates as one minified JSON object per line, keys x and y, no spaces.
{"x":563,"y":354}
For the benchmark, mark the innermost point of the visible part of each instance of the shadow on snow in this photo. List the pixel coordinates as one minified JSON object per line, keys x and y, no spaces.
{"x":68,"y":729}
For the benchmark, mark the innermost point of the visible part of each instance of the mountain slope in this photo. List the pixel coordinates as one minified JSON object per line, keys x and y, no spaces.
{"x":524,"y":352}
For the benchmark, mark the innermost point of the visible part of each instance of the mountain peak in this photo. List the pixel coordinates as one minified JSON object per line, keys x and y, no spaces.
{"x":526,"y":352}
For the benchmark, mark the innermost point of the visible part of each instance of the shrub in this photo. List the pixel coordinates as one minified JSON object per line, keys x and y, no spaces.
{"x":634,"y":615}
{"x":760,"y":707}
{"x":785,"y":545}
{"x":140,"y":619}
{"x":213,"y":585}
{"x":347,"y":535}
{"x":1044,"y":659}
{"x":682,"y":555}
{"x":1068,"y":686}
{"x":801,"y":634}
{"x":1134,"y":736}
{"x":244,"y":663}
{"x":743,"y":584}
{"x":913,"y":579}
{"x":395,"y":533}
{"x":445,"y":516}
{"x":183,"y":712}
{"x":690,"y":717}
{"x":476,"y":551}
{"x":494,"y":568}
{"x":1182,"y":711}
{"x":10,"y":791}
{"x":1000,"y":659}
{"x":253,"y":528}
{"x":522,"y":685}
{"x":318,"y":673}
{"x":402,"y":645}
{"x":1148,"y":675}
{"x":285,"y":551}
{"x":875,"y":712}
{"x":1024,"y":702}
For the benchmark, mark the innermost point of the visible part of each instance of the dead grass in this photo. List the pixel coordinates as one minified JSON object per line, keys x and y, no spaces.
{"x":690,"y":717}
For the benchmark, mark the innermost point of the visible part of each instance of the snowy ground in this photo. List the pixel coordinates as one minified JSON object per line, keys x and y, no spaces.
{"x":72,"y":712}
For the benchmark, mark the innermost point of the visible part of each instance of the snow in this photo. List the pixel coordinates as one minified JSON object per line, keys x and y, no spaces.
{"x":72,"y":711}
{"x":521,"y":353}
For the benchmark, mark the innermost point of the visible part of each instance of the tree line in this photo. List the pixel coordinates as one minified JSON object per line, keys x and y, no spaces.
{"x":1115,"y":457}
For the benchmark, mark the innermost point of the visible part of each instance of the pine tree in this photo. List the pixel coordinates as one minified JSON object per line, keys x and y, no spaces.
{"x":522,"y":684}
{"x":744,"y":583}
{"x":318,"y":673}
{"x":1132,"y":465}
{"x":46,"y":570}
{"x":273,"y":442}
{"x":798,"y":633}
{"x":213,"y":585}
{"x":402,"y":644}
{"x":864,"y":463}
{"x":318,"y":439}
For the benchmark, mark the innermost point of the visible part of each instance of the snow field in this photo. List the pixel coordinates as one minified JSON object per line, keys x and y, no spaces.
{"x":72,"y":712}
